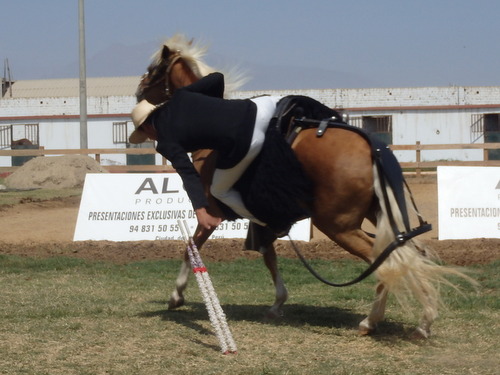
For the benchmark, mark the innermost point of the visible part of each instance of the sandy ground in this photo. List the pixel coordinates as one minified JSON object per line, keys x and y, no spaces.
{"x":46,"y":228}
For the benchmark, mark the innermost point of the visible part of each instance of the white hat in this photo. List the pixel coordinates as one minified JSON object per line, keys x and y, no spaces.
{"x":139,"y":114}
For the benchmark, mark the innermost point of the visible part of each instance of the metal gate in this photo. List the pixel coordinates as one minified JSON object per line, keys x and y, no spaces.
{"x":5,"y":136}
{"x":20,"y":137}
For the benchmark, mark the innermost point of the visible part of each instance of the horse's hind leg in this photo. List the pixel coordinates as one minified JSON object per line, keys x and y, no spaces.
{"x":271,"y":262}
{"x":369,"y":324}
{"x":360,"y":244}
{"x":354,"y":241}
{"x":423,"y":331}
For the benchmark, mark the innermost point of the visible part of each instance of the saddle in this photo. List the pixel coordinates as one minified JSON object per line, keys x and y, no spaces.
{"x":292,"y":112}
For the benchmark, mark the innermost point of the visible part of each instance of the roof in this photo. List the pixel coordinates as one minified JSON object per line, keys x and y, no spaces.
{"x":70,"y":87}
{"x":352,"y":99}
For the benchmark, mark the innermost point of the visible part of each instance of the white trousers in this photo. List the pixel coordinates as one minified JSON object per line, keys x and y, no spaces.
{"x":224,"y":179}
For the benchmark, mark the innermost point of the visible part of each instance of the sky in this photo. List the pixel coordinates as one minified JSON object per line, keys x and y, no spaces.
{"x":279,"y":44}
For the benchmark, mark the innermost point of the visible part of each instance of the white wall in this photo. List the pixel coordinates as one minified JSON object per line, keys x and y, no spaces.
{"x":434,"y":127}
{"x":393,"y":97}
{"x":430,"y":115}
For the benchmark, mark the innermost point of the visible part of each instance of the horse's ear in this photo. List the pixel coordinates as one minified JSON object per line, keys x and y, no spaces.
{"x":165,"y":53}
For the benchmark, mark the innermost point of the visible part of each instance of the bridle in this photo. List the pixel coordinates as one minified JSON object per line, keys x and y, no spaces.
{"x":172,"y":59}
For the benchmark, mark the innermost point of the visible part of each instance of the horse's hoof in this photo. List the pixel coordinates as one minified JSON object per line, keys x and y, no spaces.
{"x":421,"y":334}
{"x":365,"y":328}
{"x":175,"y":303}
{"x":273,"y":314}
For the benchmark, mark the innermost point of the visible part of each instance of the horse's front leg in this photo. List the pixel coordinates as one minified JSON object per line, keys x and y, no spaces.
{"x":177,"y":296}
{"x":271,"y":262}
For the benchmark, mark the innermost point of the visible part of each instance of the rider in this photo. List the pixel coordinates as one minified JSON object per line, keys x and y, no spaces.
{"x":197,"y":117}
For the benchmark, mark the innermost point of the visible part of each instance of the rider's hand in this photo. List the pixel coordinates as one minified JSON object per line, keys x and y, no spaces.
{"x":206,"y":220}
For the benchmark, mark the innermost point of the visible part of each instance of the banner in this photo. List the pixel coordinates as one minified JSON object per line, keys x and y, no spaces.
{"x":143,"y":206}
{"x":468,"y":202}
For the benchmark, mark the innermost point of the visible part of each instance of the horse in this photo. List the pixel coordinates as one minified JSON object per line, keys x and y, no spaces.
{"x":21,"y":142}
{"x":347,"y":189}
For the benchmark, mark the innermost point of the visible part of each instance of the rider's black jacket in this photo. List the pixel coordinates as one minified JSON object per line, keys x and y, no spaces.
{"x":197,"y":117}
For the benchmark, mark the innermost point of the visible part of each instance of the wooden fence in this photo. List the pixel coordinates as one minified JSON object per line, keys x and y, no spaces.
{"x":96,"y":153}
{"x":418,"y":165}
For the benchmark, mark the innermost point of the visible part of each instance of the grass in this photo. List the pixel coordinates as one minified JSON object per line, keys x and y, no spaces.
{"x":69,"y":316}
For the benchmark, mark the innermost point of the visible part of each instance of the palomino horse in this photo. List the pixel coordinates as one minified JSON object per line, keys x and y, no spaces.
{"x":347,"y":189}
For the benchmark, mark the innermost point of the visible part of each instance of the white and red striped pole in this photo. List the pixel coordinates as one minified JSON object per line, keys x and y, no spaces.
{"x":215,"y":312}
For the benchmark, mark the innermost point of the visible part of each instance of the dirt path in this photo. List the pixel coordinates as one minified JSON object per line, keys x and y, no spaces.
{"x":46,"y":229}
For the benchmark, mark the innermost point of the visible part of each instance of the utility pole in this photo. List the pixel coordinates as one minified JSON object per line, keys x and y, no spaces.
{"x":83,"y":78}
{"x":6,"y":80}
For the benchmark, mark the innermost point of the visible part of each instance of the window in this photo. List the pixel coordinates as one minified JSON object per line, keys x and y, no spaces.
{"x":381,"y":126}
{"x":19,"y":135}
{"x":486,"y":126}
{"x":492,"y":133}
{"x":31,"y":133}
{"x":120,"y":132}
{"x":491,"y":123}
{"x":476,"y":127}
{"x":5,"y":136}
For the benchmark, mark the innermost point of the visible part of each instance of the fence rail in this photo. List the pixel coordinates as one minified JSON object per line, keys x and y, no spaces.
{"x":97,"y":152}
{"x":418,"y":165}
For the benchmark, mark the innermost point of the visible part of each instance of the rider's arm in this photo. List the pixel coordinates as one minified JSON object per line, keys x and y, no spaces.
{"x":191,"y":181}
{"x":190,"y":177}
{"x":206,"y":220}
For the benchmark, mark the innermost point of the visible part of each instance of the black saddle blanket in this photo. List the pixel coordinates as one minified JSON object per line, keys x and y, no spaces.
{"x":275,"y":187}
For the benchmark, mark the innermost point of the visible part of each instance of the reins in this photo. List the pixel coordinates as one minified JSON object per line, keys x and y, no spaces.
{"x":399,"y":241}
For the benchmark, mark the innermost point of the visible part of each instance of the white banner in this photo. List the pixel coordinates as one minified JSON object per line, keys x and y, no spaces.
{"x":140,"y":206}
{"x":469,"y":202}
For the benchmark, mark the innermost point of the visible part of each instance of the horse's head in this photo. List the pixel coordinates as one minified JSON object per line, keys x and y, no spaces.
{"x":177,"y":64}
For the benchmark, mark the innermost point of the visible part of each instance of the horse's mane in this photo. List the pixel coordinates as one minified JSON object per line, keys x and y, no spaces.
{"x":193,"y":52}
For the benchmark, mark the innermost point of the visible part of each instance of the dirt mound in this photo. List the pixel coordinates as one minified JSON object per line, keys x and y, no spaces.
{"x":54,"y":172}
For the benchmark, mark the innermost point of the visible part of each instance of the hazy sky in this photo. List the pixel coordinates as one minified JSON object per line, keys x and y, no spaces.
{"x":282,"y":44}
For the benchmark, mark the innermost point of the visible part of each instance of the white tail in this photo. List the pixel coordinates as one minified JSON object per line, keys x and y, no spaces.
{"x":409,"y":271}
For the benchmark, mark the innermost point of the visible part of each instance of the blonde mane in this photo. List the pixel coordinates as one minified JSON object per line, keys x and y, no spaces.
{"x":193,"y":52}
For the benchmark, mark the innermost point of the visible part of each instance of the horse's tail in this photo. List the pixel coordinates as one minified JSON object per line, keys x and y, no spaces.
{"x":410,"y":270}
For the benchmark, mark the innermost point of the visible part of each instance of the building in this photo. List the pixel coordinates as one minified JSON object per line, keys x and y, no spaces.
{"x":46,"y":112}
